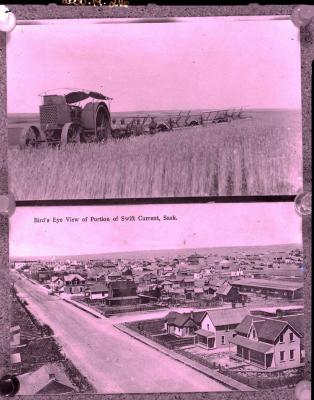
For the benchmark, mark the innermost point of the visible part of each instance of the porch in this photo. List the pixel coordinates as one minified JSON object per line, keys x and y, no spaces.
{"x":204,"y":338}
{"x":256,"y":353}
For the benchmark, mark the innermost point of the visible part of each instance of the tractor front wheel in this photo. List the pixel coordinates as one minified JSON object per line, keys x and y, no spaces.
{"x":30,"y":136}
{"x":71,"y":133}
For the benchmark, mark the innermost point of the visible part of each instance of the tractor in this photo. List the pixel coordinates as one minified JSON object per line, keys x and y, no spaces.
{"x":64,"y":120}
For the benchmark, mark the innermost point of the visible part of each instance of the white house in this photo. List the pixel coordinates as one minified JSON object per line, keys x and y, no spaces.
{"x":98,"y":291}
{"x":56,"y":283}
{"x":268,"y":343}
{"x":221,"y":324}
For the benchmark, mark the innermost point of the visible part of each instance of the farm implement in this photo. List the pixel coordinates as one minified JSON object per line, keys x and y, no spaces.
{"x":64,"y":119}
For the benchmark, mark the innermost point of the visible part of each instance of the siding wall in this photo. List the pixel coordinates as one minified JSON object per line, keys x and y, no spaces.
{"x":286,"y":346}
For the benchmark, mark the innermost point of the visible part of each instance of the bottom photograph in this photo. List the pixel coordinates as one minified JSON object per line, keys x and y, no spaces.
{"x":156,"y":298}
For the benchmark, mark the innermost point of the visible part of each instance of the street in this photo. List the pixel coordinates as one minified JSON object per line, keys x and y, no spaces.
{"x":111,"y":360}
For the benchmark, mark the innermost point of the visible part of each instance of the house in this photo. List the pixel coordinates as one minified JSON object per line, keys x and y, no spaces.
{"x":122,"y":293}
{"x":183,"y":324}
{"x":114,"y":276}
{"x":98,"y":291}
{"x":228,"y":294}
{"x":177,"y":294}
{"x":221,"y":323}
{"x":74,"y":284}
{"x":48,"y":379}
{"x":267,"y":343}
{"x":56,"y":283}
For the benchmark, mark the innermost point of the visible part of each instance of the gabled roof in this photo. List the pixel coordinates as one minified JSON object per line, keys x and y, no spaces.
{"x":179,"y":320}
{"x":227,"y":316}
{"x":269,"y":329}
{"x":244,"y":326}
{"x":266,"y":328}
{"x":98,"y":287}
{"x":35,"y":382}
{"x":224,"y":289}
{"x":70,"y":277}
{"x":296,"y":322}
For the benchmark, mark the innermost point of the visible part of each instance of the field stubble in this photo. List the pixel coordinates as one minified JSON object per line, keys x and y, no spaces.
{"x":238,"y":158}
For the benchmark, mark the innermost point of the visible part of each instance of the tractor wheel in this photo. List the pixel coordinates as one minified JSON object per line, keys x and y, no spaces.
{"x":30,"y":136}
{"x":71,"y":133}
{"x":102,"y":124}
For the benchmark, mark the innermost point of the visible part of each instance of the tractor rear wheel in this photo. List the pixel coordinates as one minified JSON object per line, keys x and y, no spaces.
{"x":102,"y":124}
{"x":71,"y":133}
{"x":30,"y":136}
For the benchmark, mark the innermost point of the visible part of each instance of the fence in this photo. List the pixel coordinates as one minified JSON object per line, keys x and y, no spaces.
{"x":108,"y":311}
{"x":266,"y":380}
{"x":203,"y":361}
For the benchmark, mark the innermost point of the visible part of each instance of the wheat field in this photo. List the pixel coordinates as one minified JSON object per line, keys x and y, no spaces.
{"x":244,"y":157}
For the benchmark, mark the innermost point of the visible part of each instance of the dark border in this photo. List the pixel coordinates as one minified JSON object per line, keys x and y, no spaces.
{"x":53,"y":11}
{"x":155,"y":200}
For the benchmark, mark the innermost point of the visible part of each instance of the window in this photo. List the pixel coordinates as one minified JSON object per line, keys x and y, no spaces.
{"x":208,"y":327}
{"x":223,"y":340}
{"x":291,"y":354}
{"x":254,"y":334}
{"x":282,"y":356}
{"x":291,"y":337}
{"x":281,"y":338}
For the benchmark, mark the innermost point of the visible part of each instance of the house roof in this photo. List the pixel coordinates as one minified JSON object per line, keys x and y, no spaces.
{"x":55,"y":278}
{"x":252,"y":344}
{"x":269,"y":329}
{"x":178,"y":319}
{"x":227,"y":316}
{"x":34,"y":382}
{"x":266,"y":328}
{"x":98,"y":287}
{"x":70,"y":277}
{"x":245,"y":325}
{"x":296,"y":322}
{"x":205,"y":333}
{"x":224,"y":289}
{"x":275,"y":284}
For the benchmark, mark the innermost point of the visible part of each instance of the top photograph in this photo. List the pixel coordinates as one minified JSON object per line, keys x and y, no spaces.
{"x":154,"y":108}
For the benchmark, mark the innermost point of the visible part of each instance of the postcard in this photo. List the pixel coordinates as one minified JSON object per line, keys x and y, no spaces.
{"x":157,"y":298}
{"x":154,"y":108}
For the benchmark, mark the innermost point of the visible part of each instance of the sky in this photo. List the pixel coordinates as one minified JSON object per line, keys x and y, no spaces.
{"x":197,"y":226}
{"x":194,"y":63}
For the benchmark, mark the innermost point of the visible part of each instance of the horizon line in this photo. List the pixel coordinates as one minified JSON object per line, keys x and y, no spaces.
{"x":77,"y":256}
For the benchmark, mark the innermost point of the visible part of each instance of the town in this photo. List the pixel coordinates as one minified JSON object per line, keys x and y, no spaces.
{"x":238,"y":317}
